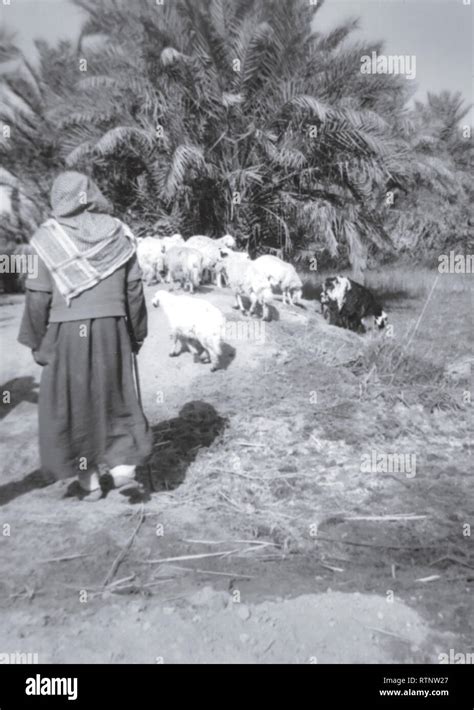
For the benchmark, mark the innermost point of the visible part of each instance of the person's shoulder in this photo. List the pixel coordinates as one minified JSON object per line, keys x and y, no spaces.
{"x":41,"y":233}
{"x":127,"y":230}
{"x":44,"y":235}
{"x":41,"y":280}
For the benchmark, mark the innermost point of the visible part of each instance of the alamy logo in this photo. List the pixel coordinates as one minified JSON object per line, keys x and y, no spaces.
{"x":389,"y":64}
{"x":26,"y":264}
{"x":244,"y":331}
{"x":18,"y":658}
{"x":38,"y":685}
{"x":453,"y":657}
{"x":389,"y":463}
{"x":453,"y":263}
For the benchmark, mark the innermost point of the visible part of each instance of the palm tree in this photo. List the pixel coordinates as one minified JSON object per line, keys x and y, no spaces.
{"x":434,"y":210}
{"x":28,"y":142}
{"x":234,"y":116}
{"x":205,"y":116}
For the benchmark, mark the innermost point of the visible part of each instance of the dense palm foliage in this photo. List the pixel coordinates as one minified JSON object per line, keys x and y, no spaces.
{"x":21,"y":107}
{"x":435,"y":212}
{"x":206,"y":116}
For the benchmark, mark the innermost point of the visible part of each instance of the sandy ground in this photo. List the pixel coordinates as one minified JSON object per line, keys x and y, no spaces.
{"x":252,"y":597}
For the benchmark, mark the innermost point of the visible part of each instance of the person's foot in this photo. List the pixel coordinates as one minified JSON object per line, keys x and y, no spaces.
{"x":123,"y":481}
{"x":92,"y":496}
{"x":89,"y":481}
{"x":122,"y":476}
{"x":75,"y":490}
{"x":90,"y":488}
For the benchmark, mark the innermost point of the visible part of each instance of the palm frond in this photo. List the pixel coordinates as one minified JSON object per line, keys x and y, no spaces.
{"x":77,"y":155}
{"x":185,"y":158}
{"x":122,"y":137}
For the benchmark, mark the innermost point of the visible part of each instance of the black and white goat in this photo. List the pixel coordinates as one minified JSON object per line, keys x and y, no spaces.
{"x":347,"y":304}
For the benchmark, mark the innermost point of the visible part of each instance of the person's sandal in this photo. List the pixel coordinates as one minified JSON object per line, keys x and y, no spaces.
{"x":108,"y":483}
{"x":75,"y":490}
{"x":92,"y":496}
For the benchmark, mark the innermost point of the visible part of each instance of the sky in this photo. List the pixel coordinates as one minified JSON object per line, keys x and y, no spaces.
{"x":437,"y":32}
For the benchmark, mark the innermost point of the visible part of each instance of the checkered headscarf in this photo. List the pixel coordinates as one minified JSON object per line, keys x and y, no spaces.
{"x":82,"y":244}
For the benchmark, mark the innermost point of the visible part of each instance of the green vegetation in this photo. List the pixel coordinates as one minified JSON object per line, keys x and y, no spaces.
{"x":208,"y":116}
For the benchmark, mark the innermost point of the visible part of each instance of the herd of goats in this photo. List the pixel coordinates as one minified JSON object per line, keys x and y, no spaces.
{"x":199,"y":326}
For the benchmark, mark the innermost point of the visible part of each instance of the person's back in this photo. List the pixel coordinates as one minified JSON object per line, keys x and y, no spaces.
{"x":84,"y":316}
{"x":107,"y":298}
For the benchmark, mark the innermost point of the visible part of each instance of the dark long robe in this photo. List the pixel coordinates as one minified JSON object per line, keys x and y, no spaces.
{"x":89,"y":413}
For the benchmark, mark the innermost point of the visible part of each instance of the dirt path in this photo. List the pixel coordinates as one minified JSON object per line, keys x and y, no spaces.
{"x":255,"y":601}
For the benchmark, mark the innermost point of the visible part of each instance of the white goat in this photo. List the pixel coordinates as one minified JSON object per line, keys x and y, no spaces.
{"x":221,"y":266}
{"x":227,"y":241}
{"x":281,"y":275}
{"x":195,"y":324}
{"x":174,"y":241}
{"x":213,"y":251}
{"x":150,"y":258}
{"x":184,"y":264}
{"x":245,"y":280}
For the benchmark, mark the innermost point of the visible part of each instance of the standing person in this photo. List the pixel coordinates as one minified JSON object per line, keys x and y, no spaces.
{"x":84,"y":316}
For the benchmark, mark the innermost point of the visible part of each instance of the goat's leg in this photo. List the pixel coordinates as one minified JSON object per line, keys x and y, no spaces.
{"x":222,"y":279}
{"x":195,"y":349}
{"x":177,"y":346}
{"x":213,"y":350}
{"x":147,"y":274}
{"x":170,"y":280}
{"x":239,"y":305}
{"x":156,"y":274}
{"x":253,"y":304}
{"x":205,"y":355}
{"x":214,"y":358}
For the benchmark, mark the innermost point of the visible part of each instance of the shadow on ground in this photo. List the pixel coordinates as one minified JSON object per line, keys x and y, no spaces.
{"x":227,"y":356}
{"x":20,"y":389}
{"x":32,"y":481}
{"x":176,"y":443}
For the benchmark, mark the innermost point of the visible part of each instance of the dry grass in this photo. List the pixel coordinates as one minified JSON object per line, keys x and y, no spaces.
{"x":285,"y":467}
{"x":397,"y":281}
{"x":390,"y":371}
{"x":416,"y":281}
